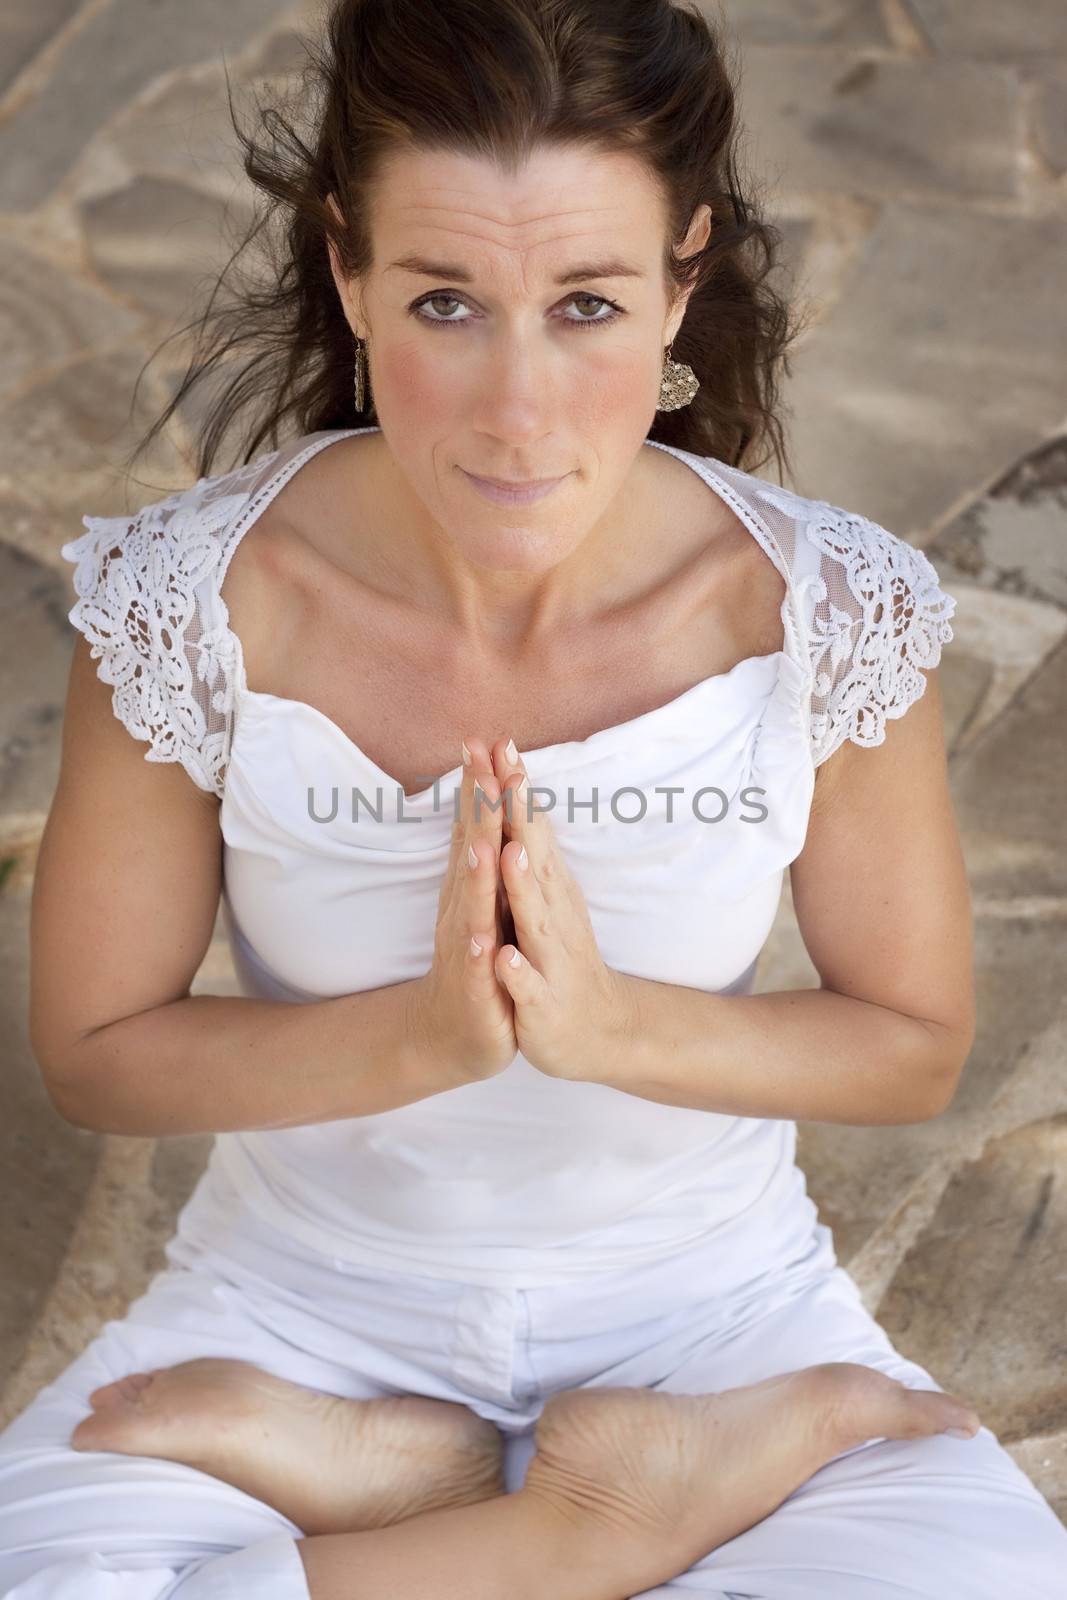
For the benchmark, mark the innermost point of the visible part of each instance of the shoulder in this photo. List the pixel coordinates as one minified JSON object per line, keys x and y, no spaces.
{"x":876,"y":620}
{"x":870,"y":611}
{"x":187,"y":524}
{"x":147,"y":592}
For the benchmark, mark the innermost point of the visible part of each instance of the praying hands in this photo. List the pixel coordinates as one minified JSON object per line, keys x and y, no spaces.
{"x":516,"y":964}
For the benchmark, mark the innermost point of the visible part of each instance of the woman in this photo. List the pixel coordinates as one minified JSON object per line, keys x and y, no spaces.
{"x":501,"y":1279}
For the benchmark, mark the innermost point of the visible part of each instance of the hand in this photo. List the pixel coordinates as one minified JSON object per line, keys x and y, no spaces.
{"x":569,"y":1005}
{"x":463,"y":1017}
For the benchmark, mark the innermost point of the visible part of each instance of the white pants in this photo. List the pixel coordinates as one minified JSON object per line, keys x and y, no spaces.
{"x":937,"y":1518}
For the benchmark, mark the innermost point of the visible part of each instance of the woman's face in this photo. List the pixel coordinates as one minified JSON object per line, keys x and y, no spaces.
{"x":516,"y":329}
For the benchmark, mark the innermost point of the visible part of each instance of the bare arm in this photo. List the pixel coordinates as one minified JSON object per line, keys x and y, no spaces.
{"x":124,"y":902}
{"x":881,"y":896}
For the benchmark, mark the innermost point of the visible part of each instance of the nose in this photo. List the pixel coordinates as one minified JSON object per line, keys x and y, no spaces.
{"x":517,"y":384}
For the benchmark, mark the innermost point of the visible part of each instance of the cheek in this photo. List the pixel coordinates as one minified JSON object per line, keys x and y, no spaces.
{"x":417,"y":379}
{"x":617,"y":385}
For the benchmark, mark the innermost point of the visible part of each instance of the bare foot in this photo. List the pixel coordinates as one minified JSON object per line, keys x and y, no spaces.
{"x":669,"y":1478}
{"x":329,"y":1464}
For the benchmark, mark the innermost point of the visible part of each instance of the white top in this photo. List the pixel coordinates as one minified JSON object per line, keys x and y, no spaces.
{"x":520,"y":1178}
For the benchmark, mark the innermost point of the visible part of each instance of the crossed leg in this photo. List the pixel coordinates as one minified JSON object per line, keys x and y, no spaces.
{"x":627,"y":1486}
{"x":610,"y":1473}
{"x":893,"y":1518}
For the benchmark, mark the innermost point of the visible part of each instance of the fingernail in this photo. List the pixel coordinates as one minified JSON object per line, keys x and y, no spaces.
{"x":522,"y":786}
{"x":471,"y":857}
{"x":959,"y":1433}
{"x":476,"y":948}
{"x":513,"y":960}
{"x":511,"y":752}
{"x":466,"y":752}
{"x":522,"y":859}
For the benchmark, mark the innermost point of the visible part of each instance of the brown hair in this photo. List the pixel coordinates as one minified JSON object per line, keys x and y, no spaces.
{"x":490,"y":78}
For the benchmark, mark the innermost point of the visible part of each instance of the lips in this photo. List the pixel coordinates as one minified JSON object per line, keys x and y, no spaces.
{"x":515,"y":483}
{"x":511,"y":493}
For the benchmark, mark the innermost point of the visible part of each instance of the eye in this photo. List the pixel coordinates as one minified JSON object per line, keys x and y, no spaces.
{"x":614,"y":311}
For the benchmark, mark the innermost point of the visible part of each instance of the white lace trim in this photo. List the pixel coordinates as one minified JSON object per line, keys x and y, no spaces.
{"x":867,"y":647}
{"x":149,"y":620}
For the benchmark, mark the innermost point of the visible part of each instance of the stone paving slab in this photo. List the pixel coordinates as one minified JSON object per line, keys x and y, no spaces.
{"x":807,"y":22}
{"x":1001,"y":638}
{"x":999,"y":1227}
{"x":118,"y":53}
{"x":911,"y":129}
{"x":990,"y":28}
{"x":935,"y":368}
{"x":63,"y":440}
{"x":155,"y":242}
{"x":27,"y":29}
{"x":1009,"y":794}
{"x":48,"y":315}
{"x":46,"y":1164}
{"x":178,"y":128}
{"x":35,"y":648}
{"x":1013,"y":538}
{"x":1050,"y":114}
{"x":35,"y":530}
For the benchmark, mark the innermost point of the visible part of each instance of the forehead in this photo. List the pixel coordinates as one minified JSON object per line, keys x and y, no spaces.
{"x":570,"y":196}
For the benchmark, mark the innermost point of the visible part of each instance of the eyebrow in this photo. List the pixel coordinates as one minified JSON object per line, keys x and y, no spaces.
{"x":426,"y":268}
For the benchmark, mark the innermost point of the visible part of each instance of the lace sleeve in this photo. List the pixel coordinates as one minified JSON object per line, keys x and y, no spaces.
{"x":146,"y":607}
{"x":879,"y":616}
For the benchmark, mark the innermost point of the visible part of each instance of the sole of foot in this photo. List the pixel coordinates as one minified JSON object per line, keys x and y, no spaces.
{"x":654,"y":1481}
{"x":330,"y":1464}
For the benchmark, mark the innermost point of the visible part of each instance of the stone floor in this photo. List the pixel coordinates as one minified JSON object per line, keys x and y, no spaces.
{"x":915,"y":154}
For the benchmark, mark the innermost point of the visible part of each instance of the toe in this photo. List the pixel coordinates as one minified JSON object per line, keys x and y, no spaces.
{"x":932,"y":1411}
{"x":126,"y":1417}
{"x":864,"y":1403}
{"x":110,"y":1428}
{"x":128,"y":1389}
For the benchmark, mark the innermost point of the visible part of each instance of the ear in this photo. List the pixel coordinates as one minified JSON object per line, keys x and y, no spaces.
{"x":342,"y":282}
{"x":697,"y":236}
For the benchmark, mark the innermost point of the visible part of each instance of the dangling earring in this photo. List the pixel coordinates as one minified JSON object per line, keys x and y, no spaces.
{"x":360,"y":386}
{"x":678,"y":384}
